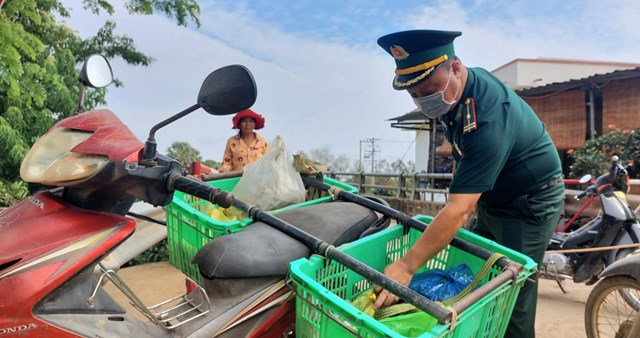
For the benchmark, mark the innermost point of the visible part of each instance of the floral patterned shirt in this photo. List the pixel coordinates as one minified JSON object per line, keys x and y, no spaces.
{"x":237,"y":154}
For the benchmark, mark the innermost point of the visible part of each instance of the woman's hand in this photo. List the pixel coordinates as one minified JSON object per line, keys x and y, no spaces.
{"x":399,"y":272}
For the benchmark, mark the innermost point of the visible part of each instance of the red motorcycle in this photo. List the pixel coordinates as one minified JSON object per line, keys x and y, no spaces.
{"x":52,"y":243}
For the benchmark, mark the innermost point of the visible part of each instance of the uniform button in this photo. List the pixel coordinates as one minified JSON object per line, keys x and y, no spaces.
{"x":450,"y":123}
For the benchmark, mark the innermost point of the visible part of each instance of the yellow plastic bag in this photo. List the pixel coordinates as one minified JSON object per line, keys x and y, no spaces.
{"x":221,"y":215}
{"x":409,"y":325}
{"x":364,"y":302}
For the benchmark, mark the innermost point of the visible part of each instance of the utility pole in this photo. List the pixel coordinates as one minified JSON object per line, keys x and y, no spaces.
{"x":361,"y":167}
{"x":370,"y":151}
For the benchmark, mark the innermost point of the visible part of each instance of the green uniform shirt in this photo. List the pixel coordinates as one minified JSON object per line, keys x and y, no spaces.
{"x":503,"y":150}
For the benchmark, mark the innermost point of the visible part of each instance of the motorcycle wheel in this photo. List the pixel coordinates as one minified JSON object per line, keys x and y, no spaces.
{"x":607,"y":312}
{"x":629,"y":296}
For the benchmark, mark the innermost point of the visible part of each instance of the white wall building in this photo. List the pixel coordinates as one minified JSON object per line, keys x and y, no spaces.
{"x":527,"y":73}
{"x":423,"y":126}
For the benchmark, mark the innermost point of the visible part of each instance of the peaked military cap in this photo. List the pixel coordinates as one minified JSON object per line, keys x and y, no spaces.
{"x":417,"y":54}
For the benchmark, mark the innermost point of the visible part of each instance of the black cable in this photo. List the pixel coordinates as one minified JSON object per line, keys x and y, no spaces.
{"x":146,"y":218}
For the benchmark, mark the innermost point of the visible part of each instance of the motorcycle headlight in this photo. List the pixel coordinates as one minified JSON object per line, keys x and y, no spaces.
{"x":51,"y":161}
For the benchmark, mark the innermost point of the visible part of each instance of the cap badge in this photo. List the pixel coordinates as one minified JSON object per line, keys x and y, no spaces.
{"x":399,"y":53}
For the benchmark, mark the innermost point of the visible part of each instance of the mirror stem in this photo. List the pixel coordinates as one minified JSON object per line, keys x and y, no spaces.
{"x":149,"y":152}
{"x":81,"y":100}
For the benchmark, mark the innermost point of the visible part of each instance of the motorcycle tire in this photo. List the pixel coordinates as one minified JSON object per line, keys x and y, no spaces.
{"x":608,"y":313}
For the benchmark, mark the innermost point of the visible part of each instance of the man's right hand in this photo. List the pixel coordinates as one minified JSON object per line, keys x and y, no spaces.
{"x":399,"y":272}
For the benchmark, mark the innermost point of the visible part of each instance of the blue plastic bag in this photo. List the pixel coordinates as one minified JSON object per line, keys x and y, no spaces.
{"x":440,"y":285}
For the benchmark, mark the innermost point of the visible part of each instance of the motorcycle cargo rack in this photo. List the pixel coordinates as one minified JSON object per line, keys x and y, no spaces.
{"x":170,"y":313}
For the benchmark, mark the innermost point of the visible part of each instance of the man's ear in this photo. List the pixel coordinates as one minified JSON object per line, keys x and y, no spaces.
{"x":456,"y":67}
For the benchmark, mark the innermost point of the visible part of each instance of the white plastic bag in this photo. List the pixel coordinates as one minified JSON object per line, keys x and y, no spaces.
{"x":271,"y":182}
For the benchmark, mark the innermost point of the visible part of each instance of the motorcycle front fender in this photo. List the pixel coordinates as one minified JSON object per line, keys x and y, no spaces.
{"x":628,"y":235}
{"x":628,"y":266}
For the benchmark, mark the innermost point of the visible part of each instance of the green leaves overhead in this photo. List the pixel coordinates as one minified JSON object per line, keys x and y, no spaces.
{"x":40,"y":58}
{"x":182,"y":10}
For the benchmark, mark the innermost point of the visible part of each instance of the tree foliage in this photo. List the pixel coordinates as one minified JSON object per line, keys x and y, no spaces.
{"x":39,"y":61}
{"x":400,"y":167}
{"x":336,"y":163}
{"x":12,"y":193}
{"x":212,"y":164}
{"x":595,"y":156}
{"x":184,"y":153}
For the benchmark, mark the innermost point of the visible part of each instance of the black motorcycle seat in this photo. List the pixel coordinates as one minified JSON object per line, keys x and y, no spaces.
{"x":261,"y":250}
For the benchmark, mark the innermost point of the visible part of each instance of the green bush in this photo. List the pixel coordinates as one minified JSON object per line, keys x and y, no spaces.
{"x":157,"y":253}
{"x":595,"y":156}
{"x":12,"y":192}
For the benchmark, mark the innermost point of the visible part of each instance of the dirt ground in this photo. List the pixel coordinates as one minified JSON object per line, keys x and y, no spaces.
{"x":558,"y":315}
{"x":561,"y":314}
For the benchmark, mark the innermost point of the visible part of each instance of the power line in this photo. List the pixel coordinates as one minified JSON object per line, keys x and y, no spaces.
{"x":409,"y":148}
{"x":398,"y":141}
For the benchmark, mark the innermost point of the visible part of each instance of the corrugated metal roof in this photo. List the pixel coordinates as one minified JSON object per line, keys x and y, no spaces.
{"x":413,"y":120}
{"x":598,"y":80}
{"x":414,"y":115}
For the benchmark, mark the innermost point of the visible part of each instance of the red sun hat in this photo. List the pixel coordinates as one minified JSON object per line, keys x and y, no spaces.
{"x":251,"y":114}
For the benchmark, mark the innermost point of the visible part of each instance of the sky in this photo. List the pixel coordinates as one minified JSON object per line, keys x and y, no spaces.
{"x":323,"y":82}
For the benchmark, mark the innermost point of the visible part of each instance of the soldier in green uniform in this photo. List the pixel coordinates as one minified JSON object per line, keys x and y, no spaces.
{"x":507,"y":167}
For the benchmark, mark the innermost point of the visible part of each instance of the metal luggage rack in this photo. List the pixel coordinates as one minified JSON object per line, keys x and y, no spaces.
{"x":170,"y":313}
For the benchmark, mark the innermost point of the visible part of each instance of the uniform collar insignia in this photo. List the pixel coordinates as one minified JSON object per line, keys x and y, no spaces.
{"x":469,"y":122}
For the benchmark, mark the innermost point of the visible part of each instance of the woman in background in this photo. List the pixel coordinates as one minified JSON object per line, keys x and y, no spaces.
{"x":247,"y":146}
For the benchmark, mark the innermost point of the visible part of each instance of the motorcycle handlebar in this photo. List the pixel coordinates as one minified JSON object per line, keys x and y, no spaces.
{"x":202,"y":190}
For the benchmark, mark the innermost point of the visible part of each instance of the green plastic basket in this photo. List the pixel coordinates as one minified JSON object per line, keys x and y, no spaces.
{"x":325,"y":289}
{"x":189,"y":228}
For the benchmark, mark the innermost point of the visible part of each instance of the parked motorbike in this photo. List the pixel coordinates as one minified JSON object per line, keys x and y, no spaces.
{"x":53,"y":242}
{"x":613,"y":306}
{"x":583,"y":253}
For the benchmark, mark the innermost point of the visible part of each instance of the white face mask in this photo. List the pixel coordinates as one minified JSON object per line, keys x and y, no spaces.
{"x":435,"y":105}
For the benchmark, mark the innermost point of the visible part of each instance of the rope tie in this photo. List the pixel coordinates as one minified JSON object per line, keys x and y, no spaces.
{"x":514,"y":273}
{"x":395,"y":310}
{"x":334,"y":192}
{"x":485,"y":269}
{"x":599,"y":248}
{"x":454,"y":319}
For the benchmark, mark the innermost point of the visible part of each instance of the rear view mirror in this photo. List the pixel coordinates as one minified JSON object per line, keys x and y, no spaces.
{"x":586,"y":178}
{"x":225,"y":91}
{"x":228,"y":90}
{"x":96,"y":72}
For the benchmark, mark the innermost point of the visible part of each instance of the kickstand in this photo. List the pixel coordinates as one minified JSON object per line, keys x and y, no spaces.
{"x":559,"y":281}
